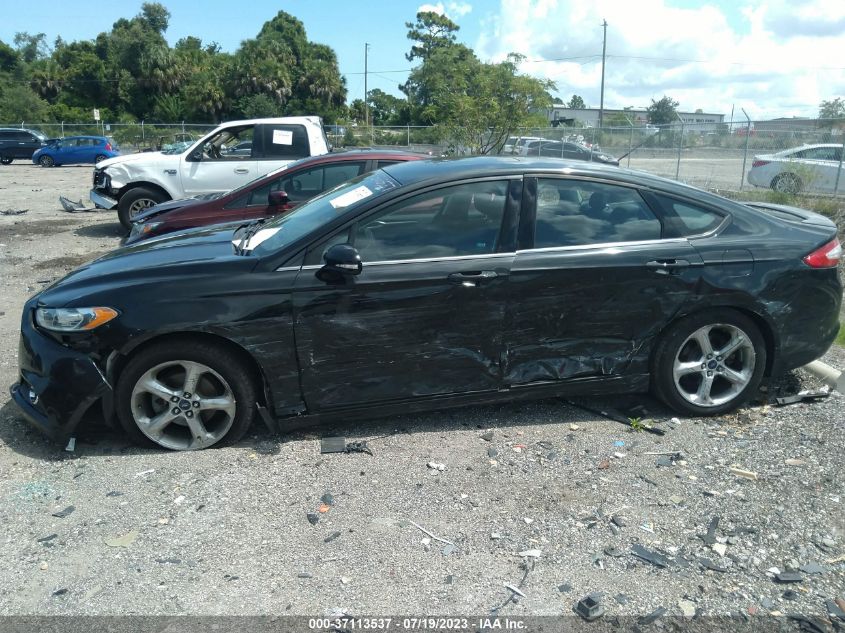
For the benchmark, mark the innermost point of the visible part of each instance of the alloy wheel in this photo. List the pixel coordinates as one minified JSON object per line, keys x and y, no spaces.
{"x":183,"y":405}
{"x":714,"y":365}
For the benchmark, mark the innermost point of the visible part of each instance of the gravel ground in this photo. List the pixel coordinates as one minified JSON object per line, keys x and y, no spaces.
{"x":226,"y":531}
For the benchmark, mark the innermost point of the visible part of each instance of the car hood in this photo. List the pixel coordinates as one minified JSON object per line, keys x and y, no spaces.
{"x":125,"y":159}
{"x":150,"y":261}
{"x":171,"y":205}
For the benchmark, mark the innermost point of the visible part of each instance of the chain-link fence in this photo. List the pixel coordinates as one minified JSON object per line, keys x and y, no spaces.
{"x":712,"y":156}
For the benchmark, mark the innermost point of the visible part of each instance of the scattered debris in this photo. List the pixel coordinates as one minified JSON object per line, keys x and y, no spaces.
{"x":656,"y":559}
{"x":746,"y":474}
{"x":604,"y":464}
{"x":71,"y":445}
{"x":720,"y":548}
{"x":492,"y":452}
{"x":589,"y":608}
{"x":75,"y":207}
{"x":614,"y":552}
{"x":647,"y":480}
{"x":804,"y":396}
{"x":328,"y":499}
{"x":114,"y":493}
{"x":617,"y":416}
{"x":619,"y":520}
{"x":709,"y":564}
{"x":514,"y":590}
{"x":305,"y":574}
{"x":710,"y":537}
{"x":531,"y":553}
{"x":834,"y":610}
{"x":448,"y":549}
{"x":60,"y":592}
{"x":794,"y":462}
{"x":564,"y":588}
{"x":323,"y":508}
{"x":813,"y":568}
{"x":574,"y":427}
{"x":788,"y":576}
{"x":43,"y":566}
{"x":427,"y":533}
{"x":488,"y":436}
{"x":331,"y":537}
{"x":651,"y":617}
{"x":145,"y":472}
{"x":527,"y":520}
{"x":47,"y":539}
{"x":648,"y":526}
{"x":359,"y":447}
{"x":61,"y":514}
{"x":122,"y":541}
{"x":333,"y":445}
{"x":687,"y":608}
{"x":312,"y":517}
{"x":14,"y":211}
{"x":436,"y":466}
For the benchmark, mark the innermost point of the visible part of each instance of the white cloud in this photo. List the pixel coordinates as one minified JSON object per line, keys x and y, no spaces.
{"x":773,"y":59}
{"x":453,"y":10}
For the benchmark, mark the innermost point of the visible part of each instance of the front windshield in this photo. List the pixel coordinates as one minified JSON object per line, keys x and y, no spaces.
{"x":286,"y":229}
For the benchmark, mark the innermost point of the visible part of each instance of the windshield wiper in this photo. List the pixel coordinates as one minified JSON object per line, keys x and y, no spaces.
{"x":249,"y":230}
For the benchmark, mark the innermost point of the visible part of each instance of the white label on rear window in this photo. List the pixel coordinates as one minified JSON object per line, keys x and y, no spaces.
{"x":259,"y":237}
{"x":282,"y":137}
{"x":351,"y":197}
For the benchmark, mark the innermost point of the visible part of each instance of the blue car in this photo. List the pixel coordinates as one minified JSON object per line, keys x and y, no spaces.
{"x":75,"y":149}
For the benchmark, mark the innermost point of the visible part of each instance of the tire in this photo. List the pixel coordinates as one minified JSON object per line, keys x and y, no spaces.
{"x":5,"y":160}
{"x":99,"y":158}
{"x":152,"y":389}
{"x":46,"y":161}
{"x":787,"y":183}
{"x":134,"y":202}
{"x":694,"y":383}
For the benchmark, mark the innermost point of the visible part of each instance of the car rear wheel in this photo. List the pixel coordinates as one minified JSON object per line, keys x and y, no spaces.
{"x":5,"y":160}
{"x":709,"y":363}
{"x":787,"y":183}
{"x":46,"y":161}
{"x":185,"y":397}
{"x":100,"y":158}
{"x":136,"y":201}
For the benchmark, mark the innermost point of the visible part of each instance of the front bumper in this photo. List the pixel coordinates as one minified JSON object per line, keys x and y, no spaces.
{"x":101,"y":200}
{"x":57,"y":385}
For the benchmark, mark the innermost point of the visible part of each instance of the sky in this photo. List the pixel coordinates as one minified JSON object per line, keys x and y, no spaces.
{"x":773,"y":58}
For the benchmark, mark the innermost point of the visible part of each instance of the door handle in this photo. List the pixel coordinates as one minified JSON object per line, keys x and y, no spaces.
{"x":241,"y":170}
{"x":664,"y":266}
{"x":472,"y":278}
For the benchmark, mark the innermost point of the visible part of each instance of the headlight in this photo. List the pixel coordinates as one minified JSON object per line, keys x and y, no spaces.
{"x":143,"y":228}
{"x":73,"y":319}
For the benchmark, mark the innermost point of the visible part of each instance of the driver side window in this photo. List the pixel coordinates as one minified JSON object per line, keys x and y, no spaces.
{"x":231,"y":144}
{"x":453,"y":221}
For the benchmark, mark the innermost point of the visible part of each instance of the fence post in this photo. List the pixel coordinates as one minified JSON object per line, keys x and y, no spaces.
{"x":63,"y":129}
{"x":839,"y":171}
{"x":409,"y":135}
{"x":630,"y":141}
{"x":143,"y":138}
{"x":183,"y":127}
{"x":745,"y":156}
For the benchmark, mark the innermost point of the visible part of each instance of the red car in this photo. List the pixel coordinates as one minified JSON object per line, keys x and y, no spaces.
{"x":277,"y":192}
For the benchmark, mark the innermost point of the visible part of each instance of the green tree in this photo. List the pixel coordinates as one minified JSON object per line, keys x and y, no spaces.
{"x":385,"y":109}
{"x":431,"y":31}
{"x":832,"y":112}
{"x":576,"y":103}
{"x":662,"y":112}
{"x":32,"y":47}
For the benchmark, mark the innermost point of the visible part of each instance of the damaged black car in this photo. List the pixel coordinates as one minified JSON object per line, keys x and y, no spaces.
{"x":428,"y":285}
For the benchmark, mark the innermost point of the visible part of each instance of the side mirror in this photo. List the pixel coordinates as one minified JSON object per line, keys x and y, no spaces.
{"x":278,"y":198}
{"x":342,"y":260}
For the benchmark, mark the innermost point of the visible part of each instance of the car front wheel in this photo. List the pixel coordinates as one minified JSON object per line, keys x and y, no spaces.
{"x":5,"y":160}
{"x":709,"y":363}
{"x":136,"y":201}
{"x":46,"y":161}
{"x":185,"y":397}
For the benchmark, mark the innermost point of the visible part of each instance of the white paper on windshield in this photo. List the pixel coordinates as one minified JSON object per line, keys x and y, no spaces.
{"x":282,"y":137}
{"x":259,"y":237}
{"x":350,"y":197}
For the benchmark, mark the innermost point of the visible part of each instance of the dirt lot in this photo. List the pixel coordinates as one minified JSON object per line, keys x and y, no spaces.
{"x":225,"y":531}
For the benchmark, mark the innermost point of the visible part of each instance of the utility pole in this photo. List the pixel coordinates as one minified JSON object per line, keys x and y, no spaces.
{"x":603,"y":51}
{"x":366,"y":94}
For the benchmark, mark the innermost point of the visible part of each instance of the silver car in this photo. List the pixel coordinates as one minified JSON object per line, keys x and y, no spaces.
{"x":805,"y":168}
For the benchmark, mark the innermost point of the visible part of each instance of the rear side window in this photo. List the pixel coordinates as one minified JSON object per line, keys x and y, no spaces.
{"x":304,"y":185}
{"x":577,"y":213}
{"x":285,"y":141}
{"x":683,"y":219}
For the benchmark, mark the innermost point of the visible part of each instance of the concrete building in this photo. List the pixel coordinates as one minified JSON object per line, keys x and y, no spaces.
{"x":589,"y":117}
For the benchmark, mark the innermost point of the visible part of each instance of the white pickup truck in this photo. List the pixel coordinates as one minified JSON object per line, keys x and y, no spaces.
{"x":230,"y":156}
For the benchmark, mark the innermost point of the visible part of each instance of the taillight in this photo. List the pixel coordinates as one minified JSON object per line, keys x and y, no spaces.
{"x":108,"y":147}
{"x":827,"y":256}
{"x":759,"y":163}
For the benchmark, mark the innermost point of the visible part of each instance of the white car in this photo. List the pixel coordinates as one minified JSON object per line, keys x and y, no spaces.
{"x":516,"y":143}
{"x":132,"y":183}
{"x":805,"y":168}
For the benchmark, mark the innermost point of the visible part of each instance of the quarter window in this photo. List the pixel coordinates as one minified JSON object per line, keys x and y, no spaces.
{"x":682,"y":219}
{"x":576,"y":213}
{"x":285,"y":141}
{"x":304,"y":185}
{"x":453,"y":221}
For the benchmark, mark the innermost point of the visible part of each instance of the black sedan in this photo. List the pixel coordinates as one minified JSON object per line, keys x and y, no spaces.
{"x":432,"y":284}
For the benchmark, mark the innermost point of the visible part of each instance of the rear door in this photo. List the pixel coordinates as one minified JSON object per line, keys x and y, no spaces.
{"x":425,"y":317}
{"x":596,"y":277}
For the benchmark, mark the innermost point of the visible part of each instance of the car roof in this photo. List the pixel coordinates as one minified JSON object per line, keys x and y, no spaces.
{"x":454,"y":169}
{"x":67,"y":138}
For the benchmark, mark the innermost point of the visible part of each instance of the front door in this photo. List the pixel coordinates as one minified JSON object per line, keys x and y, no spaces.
{"x":425,"y":316}
{"x":594,"y":285}
{"x":211,"y":168}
